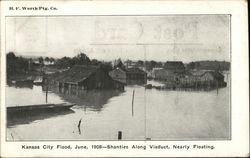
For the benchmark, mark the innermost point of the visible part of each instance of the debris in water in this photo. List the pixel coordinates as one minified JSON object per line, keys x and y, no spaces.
{"x":12,"y":136}
{"x":79,"y":126}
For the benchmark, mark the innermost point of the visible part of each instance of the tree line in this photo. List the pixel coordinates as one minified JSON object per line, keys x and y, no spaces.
{"x":19,"y":65}
{"x":16,"y":65}
{"x":209,"y":65}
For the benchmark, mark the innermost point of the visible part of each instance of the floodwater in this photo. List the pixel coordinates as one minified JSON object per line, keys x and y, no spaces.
{"x":155,"y":115}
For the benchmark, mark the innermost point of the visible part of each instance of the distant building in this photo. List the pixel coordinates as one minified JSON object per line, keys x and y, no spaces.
{"x":204,"y":78}
{"x":214,"y":76}
{"x":162,"y":74}
{"x":118,"y":63}
{"x":82,"y":78}
{"x":175,"y":66}
{"x":172,"y":72}
{"x":129,"y":75}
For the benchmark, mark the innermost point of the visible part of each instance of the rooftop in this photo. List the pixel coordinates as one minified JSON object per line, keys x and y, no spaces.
{"x":215,"y":74}
{"x":174,"y":65}
{"x":75,"y":74}
{"x":135,"y":70}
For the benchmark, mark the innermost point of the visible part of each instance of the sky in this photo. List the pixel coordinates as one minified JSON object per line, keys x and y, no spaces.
{"x":161,"y":38}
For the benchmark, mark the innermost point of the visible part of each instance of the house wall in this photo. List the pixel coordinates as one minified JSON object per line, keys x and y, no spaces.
{"x":119,"y":75}
{"x":97,"y":80}
{"x":136,"y":78}
{"x":207,"y":77}
{"x":164,"y":74}
{"x":100,"y":80}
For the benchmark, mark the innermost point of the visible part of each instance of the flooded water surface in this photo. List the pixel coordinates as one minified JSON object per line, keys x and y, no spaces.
{"x":154,"y":115}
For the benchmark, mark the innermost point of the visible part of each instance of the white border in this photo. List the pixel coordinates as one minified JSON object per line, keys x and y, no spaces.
{"x":238,"y":146}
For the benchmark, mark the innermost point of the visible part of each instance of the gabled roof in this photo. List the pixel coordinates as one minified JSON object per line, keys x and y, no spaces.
{"x":135,"y":70}
{"x":132,"y":70}
{"x":215,"y":74}
{"x":74,"y":75}
{"x":198,"y":72}
{"x":174,"y":65}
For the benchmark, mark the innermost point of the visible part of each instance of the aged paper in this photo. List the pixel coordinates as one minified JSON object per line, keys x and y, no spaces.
{"x":124,"y":78}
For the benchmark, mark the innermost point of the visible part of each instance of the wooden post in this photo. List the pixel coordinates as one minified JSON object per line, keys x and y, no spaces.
{"x":133,"y":103}
{"x":46,"y":93}
{"x":217,"y":87}
{"x":119,"y":135}
{"x":79,"y":126}
{"x":77,"y":89}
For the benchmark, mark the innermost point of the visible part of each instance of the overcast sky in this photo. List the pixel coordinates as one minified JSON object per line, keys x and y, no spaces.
{"x":160,"y":38}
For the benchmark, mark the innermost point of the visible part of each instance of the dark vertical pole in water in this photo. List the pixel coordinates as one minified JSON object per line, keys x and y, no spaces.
{"x":46,"y":93}
{"x":119,"y":135}
{"x":133,"y":103}
{"x":217,"y":87}
{"x":79,"y":126}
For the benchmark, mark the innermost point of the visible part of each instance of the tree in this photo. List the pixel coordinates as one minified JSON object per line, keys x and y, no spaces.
{"x":153,"y":63}
{"x":150,"y":65}
{"x":11,"y":63}
{"x":120,"y":65}
{"x":140,"y":63}
{"x":158,"y":64}
{"x":16,"y":65}
{"x":40,"y":59}
{"x":95,"y":62}
{"x":106,"y":66}
{"x":81,"y":59}
{"x":191,"y":65}
{"x":51,"y":59}
{"x":47,"y":59}
{"x":11,"y":56}
{"x":64,"y":62}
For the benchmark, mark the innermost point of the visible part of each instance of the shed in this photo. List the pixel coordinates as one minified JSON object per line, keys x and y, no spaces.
{"x":175,"y":66}
{"x":83,"y":78}
{"x":213,"y":76}
{"x":129,"y":75}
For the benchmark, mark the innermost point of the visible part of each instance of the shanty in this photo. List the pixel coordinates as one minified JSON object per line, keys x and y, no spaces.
{"x":129,"y":75}
{"x":82,"y":78}
{"x":172,"y":71}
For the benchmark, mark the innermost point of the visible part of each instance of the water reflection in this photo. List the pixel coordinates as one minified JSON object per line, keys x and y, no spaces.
{"x":17,"y":118}
{"x":93,"y":100}
{"x":20,"y":85}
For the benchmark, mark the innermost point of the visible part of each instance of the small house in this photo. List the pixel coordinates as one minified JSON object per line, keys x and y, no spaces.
{"x":213,"y":76}
{"x":175,"y":66}
{"x":82,"y":78}
{"x":203,"y":78}
{"x":129,"y":75}
{"x":172,"y":72}
{"x":163,"y":74}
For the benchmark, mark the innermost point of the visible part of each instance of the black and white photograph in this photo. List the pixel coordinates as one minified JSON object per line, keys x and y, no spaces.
{"x":122,"y":77}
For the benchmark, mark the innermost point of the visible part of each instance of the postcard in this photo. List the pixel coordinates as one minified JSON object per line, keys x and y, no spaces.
{"x":124,"y":79}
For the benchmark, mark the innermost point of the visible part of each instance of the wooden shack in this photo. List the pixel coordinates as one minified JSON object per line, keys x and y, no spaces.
{"x":83,"y":78}
{"x":172,"y":72}
{"x":175,"y":66}
{"x":129,"y":75}
{"x":213,"y":76}
{"x":203,"y":79}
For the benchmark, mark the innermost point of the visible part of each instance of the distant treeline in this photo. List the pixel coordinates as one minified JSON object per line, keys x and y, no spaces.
{"x":16,"y":65}
{"x":209,"y":65}
{"x":20,"y":65}
{"x":81,"y":59}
